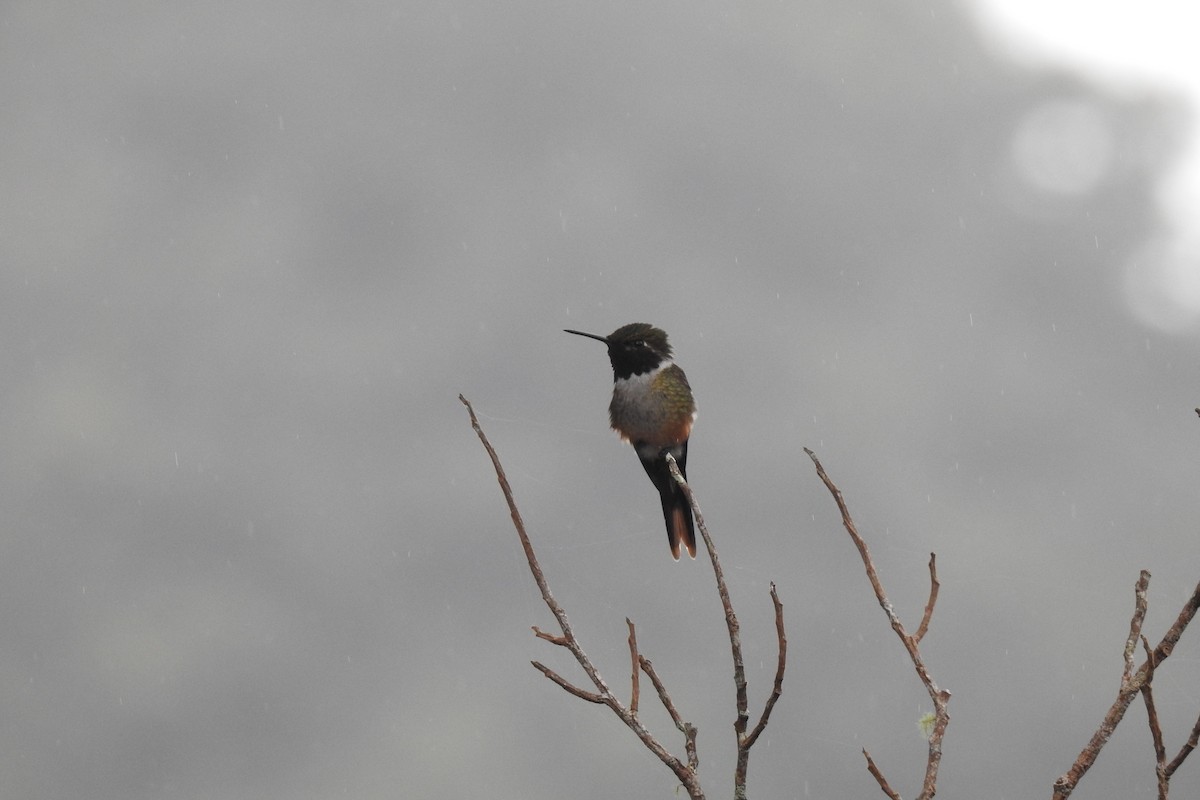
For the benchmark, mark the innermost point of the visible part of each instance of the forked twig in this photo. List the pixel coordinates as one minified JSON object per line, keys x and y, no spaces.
{"x":780,"y":666}
{"x":1134,"y":682}
{"x":744,"y":741}
{"x":686,"y":773}
{"x":689,"y":730}
{"x":939,"y":697}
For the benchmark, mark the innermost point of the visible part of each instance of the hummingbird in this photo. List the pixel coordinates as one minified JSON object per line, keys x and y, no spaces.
{"x":652,"y":409}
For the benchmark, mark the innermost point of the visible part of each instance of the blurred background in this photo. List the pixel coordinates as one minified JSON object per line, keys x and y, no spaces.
{"x":252,"y":252}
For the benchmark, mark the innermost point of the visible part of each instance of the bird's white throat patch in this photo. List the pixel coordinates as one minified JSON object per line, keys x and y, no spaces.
{"x":639,"y":385}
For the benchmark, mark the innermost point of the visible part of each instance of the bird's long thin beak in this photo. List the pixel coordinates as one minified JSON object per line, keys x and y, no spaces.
{"x":589,"y":335}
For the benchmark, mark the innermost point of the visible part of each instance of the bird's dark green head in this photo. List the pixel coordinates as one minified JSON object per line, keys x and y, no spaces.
{"x":634,"y":349}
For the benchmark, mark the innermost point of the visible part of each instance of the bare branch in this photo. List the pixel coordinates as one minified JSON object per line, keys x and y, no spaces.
{"x":1156,"y":737}
{"x":1167,"y":645}
{"x":689,"y":730}
{"x":661,"y":688}
{"x":1163,"y":771}
{"x":1130,"y":687}
{"x":568,"y":639}
{"x":939,"y":697}
{"x":684,"y":772}
{"x":744,"y":741}
{"x":780,"y":667}
{"x":731,"y":621}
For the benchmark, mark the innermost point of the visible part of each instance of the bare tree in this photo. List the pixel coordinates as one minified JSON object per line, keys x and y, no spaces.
{"x":911,"y":642}
{"x":1134,"y":681}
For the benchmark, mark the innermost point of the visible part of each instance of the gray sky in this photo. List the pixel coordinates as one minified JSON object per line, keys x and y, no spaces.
{"x":252,"y":253}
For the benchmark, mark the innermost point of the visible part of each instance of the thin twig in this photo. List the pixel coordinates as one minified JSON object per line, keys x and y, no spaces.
{"x":685,"y":773}
{"x":780,"y":667}
{"x":1185,"y":751}
{"x":1156,"y":736}
{"x":633,"y":677}
{"x":883,"y":784}
{"x":939,"y":697}
{"x":923,"y":628}
{"x":561,"y":641}
{"x":582,"y":694}
{"x":731,"y":621}
{"x":661,"y":688}
{"x":1135,"y":623}
{"x":1160,"y":752}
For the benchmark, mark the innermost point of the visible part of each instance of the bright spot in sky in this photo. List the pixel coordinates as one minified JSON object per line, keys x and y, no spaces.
{"x":1065,"y":148}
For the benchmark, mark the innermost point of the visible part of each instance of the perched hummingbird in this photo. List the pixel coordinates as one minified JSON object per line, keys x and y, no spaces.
{"x":652,"y":409}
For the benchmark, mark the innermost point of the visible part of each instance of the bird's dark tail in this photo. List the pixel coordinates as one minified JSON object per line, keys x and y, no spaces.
{"x":677,"y":512}
{"x":678,"y":515}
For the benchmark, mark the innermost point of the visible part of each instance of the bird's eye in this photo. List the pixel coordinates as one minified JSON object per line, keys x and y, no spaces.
{"x":637,"y":343}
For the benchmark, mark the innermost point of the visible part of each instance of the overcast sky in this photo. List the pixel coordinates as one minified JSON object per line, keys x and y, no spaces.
{"x":252,"y":252}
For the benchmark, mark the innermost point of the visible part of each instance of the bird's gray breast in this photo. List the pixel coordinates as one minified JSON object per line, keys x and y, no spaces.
{"x":637,"y":412}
